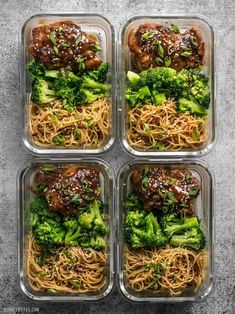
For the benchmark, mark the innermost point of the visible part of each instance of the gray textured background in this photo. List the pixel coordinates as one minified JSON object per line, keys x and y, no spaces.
{"x":221,"y":160}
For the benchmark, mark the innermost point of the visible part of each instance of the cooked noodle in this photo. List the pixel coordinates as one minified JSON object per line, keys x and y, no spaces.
{"x":70,"y":270}
{"x":88,"y":126}
{"x":163,"y":124}
{"x":184,"y":268}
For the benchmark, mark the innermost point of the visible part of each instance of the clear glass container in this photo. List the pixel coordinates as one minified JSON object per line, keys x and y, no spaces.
{"x":24,"y":183}
{"x":91,"y":23}
{"x":125,"y":65}
{"x":204,"y":210}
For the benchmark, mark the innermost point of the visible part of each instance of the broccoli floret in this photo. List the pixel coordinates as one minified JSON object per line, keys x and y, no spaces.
{"x":193,"y":239}
{"x":88,"y":82}
{"x":99,"y":225}
{"x":53,"y":74}
{"x":133,"y":201}
{"x":38,"y":204}
{"x":97,"y":242}
{"x":133,"y":78}
{"x":85,"y":220}
{"x":159,"y":79}
{"x":142,"y":230}
{"x":85,"y":96}
{"x":42,"y":92}
{"x":36,"y":69}
{"x":153,"y":235}
{"x":99,"y":74}
{"x":171,"y":224}
{"x":73,"y":231}
{"x":49,"y":235}
{"x":192,"y":107}
{"x":158,"y":98}
{"x":141,"y":96}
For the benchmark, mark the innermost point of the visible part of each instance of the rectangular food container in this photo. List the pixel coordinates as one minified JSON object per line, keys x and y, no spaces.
{"x":94,"y":23}
{"x":125,"y":65}
{"x":24,"y":182}
{"x":204,"y":206}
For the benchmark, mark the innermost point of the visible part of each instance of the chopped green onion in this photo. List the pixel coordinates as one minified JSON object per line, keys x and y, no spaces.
{"x":59,"y":139}
{"x":56,"y":50}
{"x":193,"y":191}
{"x":77,"y":133}
{"x":195,"y":135}
{"x":60,"y":30}
{"x":158,"y":145}
{"x":147,"y":35}
{"x":170,"y":49}
{"x":175,"y":28}
{"x":167,"y":61}
{"x":160,"y":51}
{"x":193,"y":40}
{"x":159,"y":61}
{"x":96,"y":48}
{"x":52,"y":37}
{"x":186,"y":53}
{"x":77,"y":41}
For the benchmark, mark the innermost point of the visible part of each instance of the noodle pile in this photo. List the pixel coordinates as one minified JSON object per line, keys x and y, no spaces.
{"x":70,"y":270}
{"x":184,"y":268}
{"x":151,"y":124}
{"x":88,"y":126}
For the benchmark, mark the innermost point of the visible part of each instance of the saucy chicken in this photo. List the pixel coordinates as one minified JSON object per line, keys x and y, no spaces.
{"x":64,"y":44}
{"x":156,"y":45}
{"x":67,"y":190}
{"x":168,"y":190}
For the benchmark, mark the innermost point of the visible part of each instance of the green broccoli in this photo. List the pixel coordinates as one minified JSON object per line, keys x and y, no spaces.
{"x":193,"y":239}
{"x":171,"y":224}
{"x":52,"y":74}
{"x":141,"y":96}
{"x":133,"y":201}
{"x":48,"y":234}
{"x":97,"y":242}
{"x":85,"y":220}
{"x":36,"y":69}
{"x":84,"y":96}
{"x":158,"y":98}
{"x":99,"y":225}
{"x":142,"y":229}
{"x":99,"y":74}
{"x":73,"y":231}
{"x":133,"y":78}
{"x":192,"y":107}
{"x":88,"y":82}
{"x":42,"y":92}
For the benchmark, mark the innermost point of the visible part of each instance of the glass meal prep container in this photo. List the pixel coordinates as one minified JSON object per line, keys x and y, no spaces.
{"x":94,"y":24}
{"x":125,"y":65}
{"x":24,"y":184}
{"x":204,"y":210}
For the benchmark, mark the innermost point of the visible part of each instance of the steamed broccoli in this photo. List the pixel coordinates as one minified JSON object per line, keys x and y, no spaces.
{"x":73,"y":231}
{"x":36,"y":69}
{"x":84,"y":96}
{"x":133,"y":201}
{"x":88,"y":82}
{"x":192,"y":107}
{"x":142,"y":229}
{"x":171,"y":224}
{"x":193,"y":238}
{"x":99,"y":74}
{"x":158,"y":84}
{"x":85,"y":220}
{"x":42,"y":91}
{"x":49,"y":233}
{"x":99,"y":225}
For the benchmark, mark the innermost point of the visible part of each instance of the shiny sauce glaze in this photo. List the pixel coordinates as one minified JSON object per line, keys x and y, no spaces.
{"x":64,"y":44}
{"x":67,"y":190}
{"x":165,"y":189}
{"x":156,"y":45}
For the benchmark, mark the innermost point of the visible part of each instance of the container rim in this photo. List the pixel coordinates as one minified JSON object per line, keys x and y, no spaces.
{"x":40,"y":151}
{"x":171,"y":154}
{"x":121,"y":287}
{"x":68,"y":298}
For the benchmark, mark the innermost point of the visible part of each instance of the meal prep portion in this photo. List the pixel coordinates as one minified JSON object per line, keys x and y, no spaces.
{"x":164,"y":249}
{"x":167,"y":92}
{"x":67,"y":249}
{"x":70,"y":100}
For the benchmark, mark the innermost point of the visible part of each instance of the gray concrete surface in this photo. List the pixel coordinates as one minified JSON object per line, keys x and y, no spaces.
{"x":221,"y":160}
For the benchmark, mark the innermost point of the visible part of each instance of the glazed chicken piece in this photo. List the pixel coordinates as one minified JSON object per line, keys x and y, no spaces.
{"x":156,"y":45}
{"x":68,"y":189}
{"x":169,"y":190}
{"x":63,"y":44}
